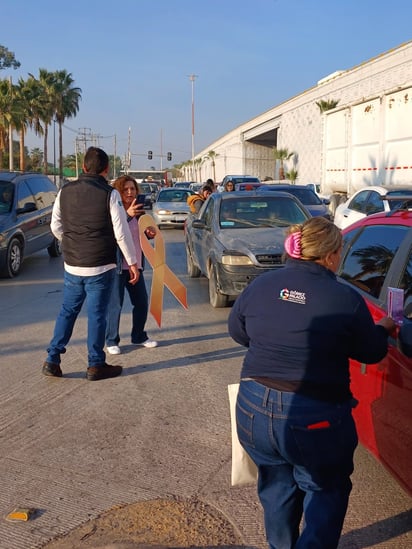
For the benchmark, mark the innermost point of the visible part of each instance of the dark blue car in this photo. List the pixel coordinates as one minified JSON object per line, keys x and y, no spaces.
{"x":316,"y":206}
{"x":26,"y":204}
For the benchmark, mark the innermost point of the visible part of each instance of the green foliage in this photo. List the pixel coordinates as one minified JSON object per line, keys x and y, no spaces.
{"x":327,"y":105}
{"x":8,"y":59}
{"x":292,"y":175}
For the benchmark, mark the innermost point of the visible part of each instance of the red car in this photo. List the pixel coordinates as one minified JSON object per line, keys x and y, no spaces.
{"x":377,"y":255}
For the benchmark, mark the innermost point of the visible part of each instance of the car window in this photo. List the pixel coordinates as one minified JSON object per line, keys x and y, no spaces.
{"x":358,"y":202}
{"x":207,"y":213}
{"x":374,"y":204}
{"x":406,"y":285}
{"x":276,"y":211}
{"x":43,"y":191}
{"x":24,"y":195}
{"x":172,"y":195}
{"x":306,"y":196}
{"x":367,"y":259}
{"x":6,"y":196}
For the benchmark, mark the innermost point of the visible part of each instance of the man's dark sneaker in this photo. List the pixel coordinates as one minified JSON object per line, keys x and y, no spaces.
{"x":103,"y":371}
{"x":51,"y":369}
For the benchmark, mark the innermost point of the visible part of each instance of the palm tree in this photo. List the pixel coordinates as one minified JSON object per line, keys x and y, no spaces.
{"x":327,"y":105}
{"x":292,"y":175}
{"x":282,"y":155}
{"x":211,"y":155}
{"x":197,"y":163}
{"x":47,"y":87}
{"x":66,"y":99}
{"x":10,"y":113}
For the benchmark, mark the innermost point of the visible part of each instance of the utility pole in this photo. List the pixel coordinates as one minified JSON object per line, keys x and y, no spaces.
{"x":11,"y":159}
{"x":129,"y":157}
{"x":192,"y":78}
{"x":114,"y":157}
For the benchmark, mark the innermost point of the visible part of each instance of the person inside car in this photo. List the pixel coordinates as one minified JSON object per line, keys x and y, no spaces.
{"x":195,"y":201}
{"x":6,"y":199}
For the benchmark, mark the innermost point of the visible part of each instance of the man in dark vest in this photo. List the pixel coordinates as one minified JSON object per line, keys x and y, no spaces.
{"x":90,"y":221}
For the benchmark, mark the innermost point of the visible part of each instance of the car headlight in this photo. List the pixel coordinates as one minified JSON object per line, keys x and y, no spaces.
{"x":235,"y":260}
{"x":163,"y":212}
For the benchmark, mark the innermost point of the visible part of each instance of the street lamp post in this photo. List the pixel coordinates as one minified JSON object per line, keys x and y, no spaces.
{"x":192,"y":78}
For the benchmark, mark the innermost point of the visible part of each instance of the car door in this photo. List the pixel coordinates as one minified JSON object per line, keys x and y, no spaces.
{"x":44,"y":193}
{"x":376,"y":257}
{"x":355,"y":209}
{"x":203,"y":237}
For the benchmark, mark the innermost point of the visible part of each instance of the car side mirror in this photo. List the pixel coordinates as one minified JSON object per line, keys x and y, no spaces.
{"x":405,"y":338}
{"x":198,"y":224}
{"x":28,"y":207}
{"x":326,"y":201}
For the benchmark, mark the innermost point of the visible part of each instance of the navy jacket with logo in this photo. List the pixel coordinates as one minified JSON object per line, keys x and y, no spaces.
{"x":300,"y":324}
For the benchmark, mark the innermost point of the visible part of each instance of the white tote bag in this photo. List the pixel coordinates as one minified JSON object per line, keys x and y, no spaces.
{"x":244,"y":471}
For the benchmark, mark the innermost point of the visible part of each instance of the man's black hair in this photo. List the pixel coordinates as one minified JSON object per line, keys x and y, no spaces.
{"x":95,"y":160}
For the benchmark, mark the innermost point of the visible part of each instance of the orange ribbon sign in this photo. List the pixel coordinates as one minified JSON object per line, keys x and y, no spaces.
{"x":162,"y":275}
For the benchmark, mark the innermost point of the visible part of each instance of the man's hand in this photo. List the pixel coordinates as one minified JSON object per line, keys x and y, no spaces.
{"x":134,"y":274}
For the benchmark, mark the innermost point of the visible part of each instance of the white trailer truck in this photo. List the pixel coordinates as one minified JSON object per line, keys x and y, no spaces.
{"x":367,"y":143}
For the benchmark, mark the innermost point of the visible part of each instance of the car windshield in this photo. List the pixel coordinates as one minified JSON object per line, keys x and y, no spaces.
{"x":306,"y":196}
{"x":173,"y":195}
{"x":276,"y":211}
{"x":145,"y":188}
{"x":6,"y":197}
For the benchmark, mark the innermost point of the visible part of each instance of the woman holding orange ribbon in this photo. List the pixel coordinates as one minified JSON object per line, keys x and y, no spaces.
{"x":128,"y":189}
{"x":300,"y":326}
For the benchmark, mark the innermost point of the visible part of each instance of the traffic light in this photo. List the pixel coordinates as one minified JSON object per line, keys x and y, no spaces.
{"x":149,"y":155}
{"x":169,"y":156}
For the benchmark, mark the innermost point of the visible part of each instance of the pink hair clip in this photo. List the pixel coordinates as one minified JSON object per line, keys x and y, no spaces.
{"x":293,"y":245}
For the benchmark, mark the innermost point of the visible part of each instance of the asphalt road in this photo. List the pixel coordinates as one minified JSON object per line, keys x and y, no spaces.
{"x":73,"y":449}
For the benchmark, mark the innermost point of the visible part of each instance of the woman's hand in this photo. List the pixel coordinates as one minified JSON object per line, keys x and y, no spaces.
{"x":150,"y":232}
{"x":135,"y":209}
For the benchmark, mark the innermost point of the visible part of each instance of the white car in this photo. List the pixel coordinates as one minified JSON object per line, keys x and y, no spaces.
{"x":371,"y":200}
{"x":170,"y":208}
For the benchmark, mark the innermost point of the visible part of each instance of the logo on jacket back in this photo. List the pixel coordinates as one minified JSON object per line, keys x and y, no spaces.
{"x":292,"y":295}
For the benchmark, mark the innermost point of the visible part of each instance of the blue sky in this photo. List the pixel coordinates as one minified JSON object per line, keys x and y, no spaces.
{"x":132,"y":59}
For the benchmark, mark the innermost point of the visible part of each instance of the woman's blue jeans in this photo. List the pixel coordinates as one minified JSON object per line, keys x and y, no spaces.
{"x":140,"y":303}
{"x":76,"y":289}
{"x":304,"y":452}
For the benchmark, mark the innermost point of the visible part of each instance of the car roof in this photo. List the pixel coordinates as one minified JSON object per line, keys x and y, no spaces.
{"x":255,"y":194}
{"x":384,"y":189}
{"x":395,"y":217}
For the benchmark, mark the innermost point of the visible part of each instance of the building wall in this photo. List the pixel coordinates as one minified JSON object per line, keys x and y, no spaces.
{"x":299,"y":120}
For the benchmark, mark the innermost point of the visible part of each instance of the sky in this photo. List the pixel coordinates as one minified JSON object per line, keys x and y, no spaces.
{"x":132,"y":60}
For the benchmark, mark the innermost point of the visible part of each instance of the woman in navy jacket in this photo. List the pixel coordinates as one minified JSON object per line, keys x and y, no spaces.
{"x":294,"y":409}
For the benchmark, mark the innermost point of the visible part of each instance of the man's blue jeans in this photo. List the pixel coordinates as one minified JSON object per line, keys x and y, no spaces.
{"x":139,"y":300}
{"x":76,"y":288}
{"x":304,"y":452}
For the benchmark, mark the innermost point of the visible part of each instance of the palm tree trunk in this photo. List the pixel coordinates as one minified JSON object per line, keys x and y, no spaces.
{"x":60,"y":151}
{"x":45,"y":164}
{"x":22,"y":159}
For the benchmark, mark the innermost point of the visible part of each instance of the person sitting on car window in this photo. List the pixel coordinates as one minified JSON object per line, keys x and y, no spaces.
{"x":6,"y":199}
{"x":195,"y":201}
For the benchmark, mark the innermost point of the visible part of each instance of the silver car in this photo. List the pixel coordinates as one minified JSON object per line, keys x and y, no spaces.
{"x":171,"y":208}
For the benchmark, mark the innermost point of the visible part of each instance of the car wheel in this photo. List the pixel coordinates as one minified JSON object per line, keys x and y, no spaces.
{"x":54,"y":249}
{"x":14,"y":259}
{"x":216,"y":299}
{"x":192,"y":270}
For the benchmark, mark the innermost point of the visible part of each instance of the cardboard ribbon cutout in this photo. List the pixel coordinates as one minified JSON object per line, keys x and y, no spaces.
{"x":162,"y":275}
